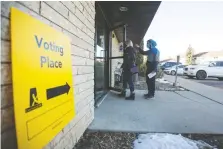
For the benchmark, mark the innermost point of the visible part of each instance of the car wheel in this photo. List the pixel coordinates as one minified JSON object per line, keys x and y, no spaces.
{"x":173,"y":72}
{"x":201,"y":75}
{"x":221,"y":79}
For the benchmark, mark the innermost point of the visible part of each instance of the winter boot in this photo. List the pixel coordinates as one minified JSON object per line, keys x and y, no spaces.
{"x":149,"y":96}
{"x":146,"y":95}
{"x":131,"y":97}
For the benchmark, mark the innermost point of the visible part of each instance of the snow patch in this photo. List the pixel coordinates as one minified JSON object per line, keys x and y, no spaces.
{"x":162,"y":80}
{"x":168,"y":141}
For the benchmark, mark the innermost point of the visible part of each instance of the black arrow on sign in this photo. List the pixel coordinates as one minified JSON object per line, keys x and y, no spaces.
{"x":57,"y":91}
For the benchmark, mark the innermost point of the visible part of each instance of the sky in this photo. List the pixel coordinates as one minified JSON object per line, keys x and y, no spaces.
{"x":177,"y":25}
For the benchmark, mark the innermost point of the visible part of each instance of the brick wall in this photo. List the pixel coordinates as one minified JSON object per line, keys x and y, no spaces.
{"x":76,"y":20}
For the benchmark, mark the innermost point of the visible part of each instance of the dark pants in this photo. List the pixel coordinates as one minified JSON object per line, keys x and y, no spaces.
{"x":150,"y":81}
{"x":127,"y":78}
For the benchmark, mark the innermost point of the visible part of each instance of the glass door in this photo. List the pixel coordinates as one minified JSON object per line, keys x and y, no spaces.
{"x":116,"y":58}
{"x":100,"y":64}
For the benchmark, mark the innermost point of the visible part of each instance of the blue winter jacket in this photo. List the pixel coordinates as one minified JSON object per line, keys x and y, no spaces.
{"x":153,"y":55}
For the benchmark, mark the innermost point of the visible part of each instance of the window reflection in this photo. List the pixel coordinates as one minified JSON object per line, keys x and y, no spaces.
{"x":100,"y":55}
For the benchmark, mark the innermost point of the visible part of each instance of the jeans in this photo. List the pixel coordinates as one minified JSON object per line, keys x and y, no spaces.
{"x":150,"y":84}
{"x":150,"y":81}
{"x":127,"y":78}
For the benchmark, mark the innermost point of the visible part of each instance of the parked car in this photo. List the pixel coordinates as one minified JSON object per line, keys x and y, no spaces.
{"x":172,"y":70}
{"x":168,"y":65}
{"x":202,"y":71}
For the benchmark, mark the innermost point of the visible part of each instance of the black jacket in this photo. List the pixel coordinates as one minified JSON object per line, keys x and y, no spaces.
{"x":129,"y":58}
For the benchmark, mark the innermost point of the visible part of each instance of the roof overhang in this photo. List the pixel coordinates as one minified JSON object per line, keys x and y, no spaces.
{"x":138,"y":17}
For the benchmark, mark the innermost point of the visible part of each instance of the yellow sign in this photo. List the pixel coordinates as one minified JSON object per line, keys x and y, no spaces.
{"x":42,"y":80}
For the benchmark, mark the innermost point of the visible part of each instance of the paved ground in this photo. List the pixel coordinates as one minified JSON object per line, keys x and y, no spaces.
{"x":210,"y":92}
{"x":209,"y":81}
{"x":172,"y":112}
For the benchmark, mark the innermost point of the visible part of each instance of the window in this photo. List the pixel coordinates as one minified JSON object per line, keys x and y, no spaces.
{"x":167,"y":64}
{"x":213,"y":64}
{"x":100,"y":66}
{"x":173,"y":63}
{"x":219,"y":63}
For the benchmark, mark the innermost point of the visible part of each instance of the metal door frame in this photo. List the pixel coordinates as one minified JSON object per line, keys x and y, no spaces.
{"x":109,"y":58}
{"x":106,"y":49}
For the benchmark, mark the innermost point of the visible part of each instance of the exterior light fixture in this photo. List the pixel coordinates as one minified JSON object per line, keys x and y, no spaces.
{"x":123,"y":9}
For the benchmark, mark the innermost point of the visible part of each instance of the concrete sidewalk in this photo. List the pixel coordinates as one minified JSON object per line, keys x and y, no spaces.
{"x":171,"y":112}
{"x":213,"y":93}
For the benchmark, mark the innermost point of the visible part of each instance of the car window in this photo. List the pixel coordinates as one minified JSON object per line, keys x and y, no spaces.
{"x":172,"y":64}
{"x":167,"y":64}
{"x":220,"y":63}
{"x":213,"y":64}
{"x":217,"y":63}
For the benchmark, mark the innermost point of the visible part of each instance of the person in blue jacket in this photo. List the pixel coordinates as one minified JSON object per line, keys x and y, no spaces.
{"x":153,"y":55}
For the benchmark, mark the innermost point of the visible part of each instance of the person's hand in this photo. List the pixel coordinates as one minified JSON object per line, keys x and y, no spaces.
{"x":137,"y":45}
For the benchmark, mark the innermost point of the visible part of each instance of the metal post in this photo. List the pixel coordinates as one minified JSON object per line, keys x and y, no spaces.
{"x":178,"y":60}
{"x":123,"y":45}
{"x":124,"y":36}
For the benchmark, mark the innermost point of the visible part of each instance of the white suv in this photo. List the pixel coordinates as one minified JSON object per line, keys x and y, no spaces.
{"x":210,"y":69}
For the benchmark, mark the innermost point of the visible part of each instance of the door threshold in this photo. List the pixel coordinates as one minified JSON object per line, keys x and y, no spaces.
{"x":101,"y":100}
